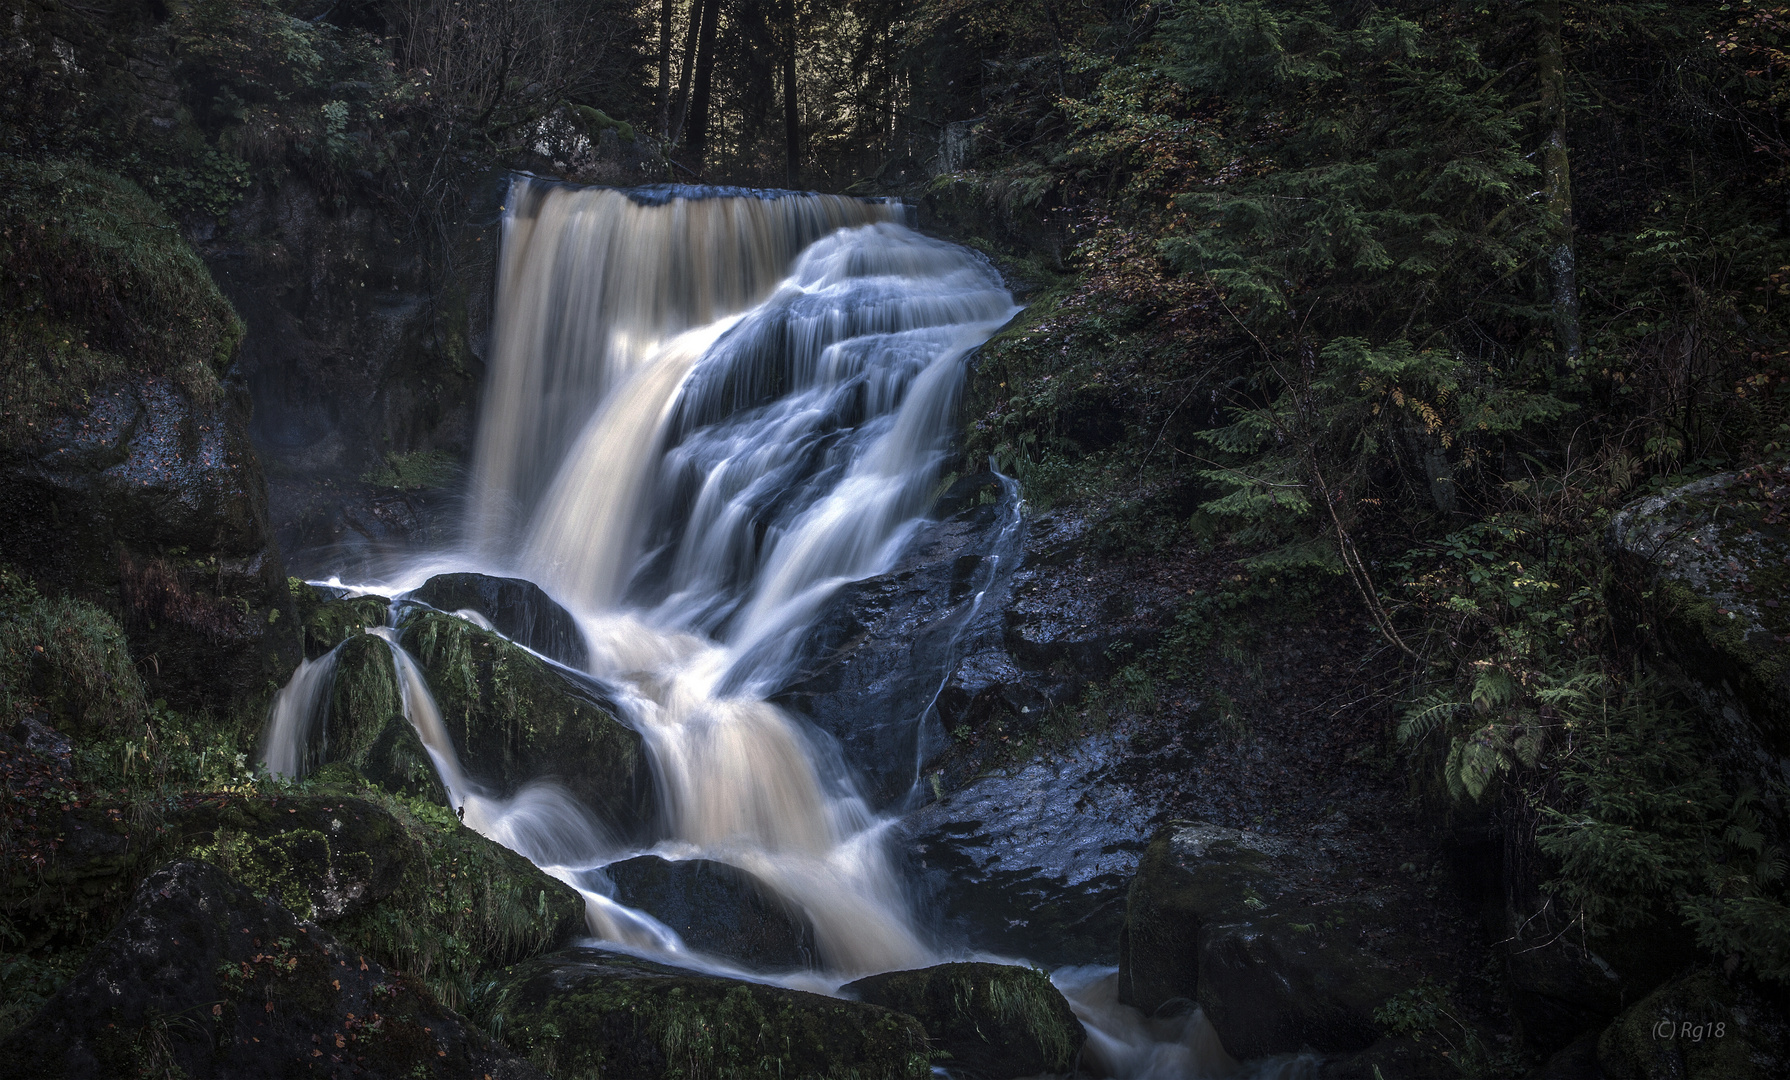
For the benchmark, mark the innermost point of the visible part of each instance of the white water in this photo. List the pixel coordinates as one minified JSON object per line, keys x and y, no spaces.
{"x":703,"y":417}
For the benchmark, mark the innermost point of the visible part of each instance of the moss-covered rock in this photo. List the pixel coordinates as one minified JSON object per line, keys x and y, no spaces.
{"x":584,"y":1014}
{"x":126,"y":473}
{"x":328,"y":623}
{"x":519,"y":610}
{"x":66,"y":659}
{"x":367,"y":730}
{"x":717,"y":909}
{"x":205,"y":979}
{"x":1213,"y":916}
{"x":1698,"y":1026}
{"x":995,"y":1021}
{"x":515,"y":718}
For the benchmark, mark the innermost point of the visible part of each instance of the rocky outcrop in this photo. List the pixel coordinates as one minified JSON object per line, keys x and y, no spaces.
{"x":519,"y":610}
{"x":515,"y":718}
{"x":204,"y":979}
{"x":367,"y":730}
{"x":717,"y":909}
{"x":1707,"y":566}
{"x":585,"y":1012}
{"x":328,"y":623}
{"x":1698,"y":1026}
{"x":994,"y":1021}
{"x":1228,"y":919}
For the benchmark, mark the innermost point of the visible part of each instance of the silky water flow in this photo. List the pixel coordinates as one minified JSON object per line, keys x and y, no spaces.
{"x":706,"y":411}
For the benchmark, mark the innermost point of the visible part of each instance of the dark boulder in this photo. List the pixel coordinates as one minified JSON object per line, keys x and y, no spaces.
{"x":328,"y":623}
{"x":585,"y":1012}
{"x":1698,"y":1025}
{"x":514,"y":718}
{"x":204,"y":979}
{"x":717,"y":909}
{"x":367,"y":729}
{"x":517,"y":609}
{"x":1218,"y":916}
{"x":995,"y":1021}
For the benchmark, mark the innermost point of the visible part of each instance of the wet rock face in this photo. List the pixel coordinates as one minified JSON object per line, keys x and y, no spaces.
{"x":1710,"y":565}
{"x":1219,"y":916}
{"x":367,"y":729}
{"x":586,"y":1012}
{"x":153,"y":501}
{"x":717,"y":909}
{"x":203,"y":979}
{"x":996,"y":1021}
{"x":517,"y":609}
{"x":1698,"y":1026}
{"x":514,"y":718}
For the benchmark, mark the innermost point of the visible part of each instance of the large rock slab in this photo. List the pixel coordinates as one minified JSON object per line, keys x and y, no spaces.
{"x":203,"y":979}
{"x":1218,"y":916}
{"x":717,"y":909}
{"x":994,"y":1020}
{"x":585,"y":1012}
{"x":515,"y":718}
{"x":519,"y":610}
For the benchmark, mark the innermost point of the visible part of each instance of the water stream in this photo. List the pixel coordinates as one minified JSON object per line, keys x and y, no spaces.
{"x":704,"y":415}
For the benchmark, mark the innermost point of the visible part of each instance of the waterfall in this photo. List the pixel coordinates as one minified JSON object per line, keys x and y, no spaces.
{"x":294,"y":739}
{"x":705,"y":413}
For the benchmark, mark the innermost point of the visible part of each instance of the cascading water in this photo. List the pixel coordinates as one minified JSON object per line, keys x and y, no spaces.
{"x":704,"y":416}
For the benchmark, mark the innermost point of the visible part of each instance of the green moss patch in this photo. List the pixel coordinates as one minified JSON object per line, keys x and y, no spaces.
{"x":584,"y":1014}
{"x":994,"y":1020}
{"x":66,"y":659}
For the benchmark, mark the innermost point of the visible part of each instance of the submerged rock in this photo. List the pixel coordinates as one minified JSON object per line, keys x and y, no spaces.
{"x":995,"y":1021}
{"x":1215,"y":915}
{"x":585,"y":1012}
{"x":203,"y":979}
{"x":517,"y":609}
{"x":1698,"y":1026}
{"x":717,"y":909}
{"x":515,"y":718}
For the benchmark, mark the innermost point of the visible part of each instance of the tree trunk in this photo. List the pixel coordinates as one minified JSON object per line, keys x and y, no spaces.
{"x":683,"y":78}
{"x":792,"y":137}
{"x":665,"y":11}
{"x":698,"y":140}
{"x":1557,"y":183}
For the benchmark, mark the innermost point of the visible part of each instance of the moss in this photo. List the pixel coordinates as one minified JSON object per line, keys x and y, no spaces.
{"x":994,"y":1020}
{"x":329,"y":623}
{"x":587,"y":1014}
{"x":367,"y":730}
{"x":414,"y":472}
{"x":96,"y":283}
{"x":514,"y":718}
{"x":66,"y":658}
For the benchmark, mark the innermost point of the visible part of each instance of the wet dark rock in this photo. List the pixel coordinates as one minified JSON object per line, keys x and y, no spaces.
{"x":717,"y":909}
{"x":516,"y":718}
{"x":585,"y":1010}
{"x":1215,"y":915}
{"x":517,"y":609}
{"x":204,"y":979}
{"x":328,"y":623}
{"x":881,"y":650}
{"x":1699,"y":1025}
{"x":995,"y":1021}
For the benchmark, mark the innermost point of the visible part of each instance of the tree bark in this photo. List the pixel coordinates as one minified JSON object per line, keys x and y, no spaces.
{"x":792,"y":136}
{"x":665,"y":12}
{"x":698,"y":140}
{"x":683,"y":78}
{"x":1556,"y":169}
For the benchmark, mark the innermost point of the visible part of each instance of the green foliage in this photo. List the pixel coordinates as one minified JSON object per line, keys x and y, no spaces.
{"x":96,"y":283}
{"x":414,"y":472}
{"x":67,"y":659}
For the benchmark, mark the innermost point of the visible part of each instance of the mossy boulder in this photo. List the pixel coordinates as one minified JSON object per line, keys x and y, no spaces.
{"x":328,"y":623}
{"x":367,"y":730}
{"x":205,"y":979}
{"x":1214,"y":916}
{"x":994,"y":1020}
{"x":519,"y":610}
{"x":397,"y":879}
{"x":65,"y":660}
{"x":717,"y":909}
{"x":514,"y":718}
{"x":1699,"y":1025}
{"x":126,"y":473}
{"x":584,"y":1013}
